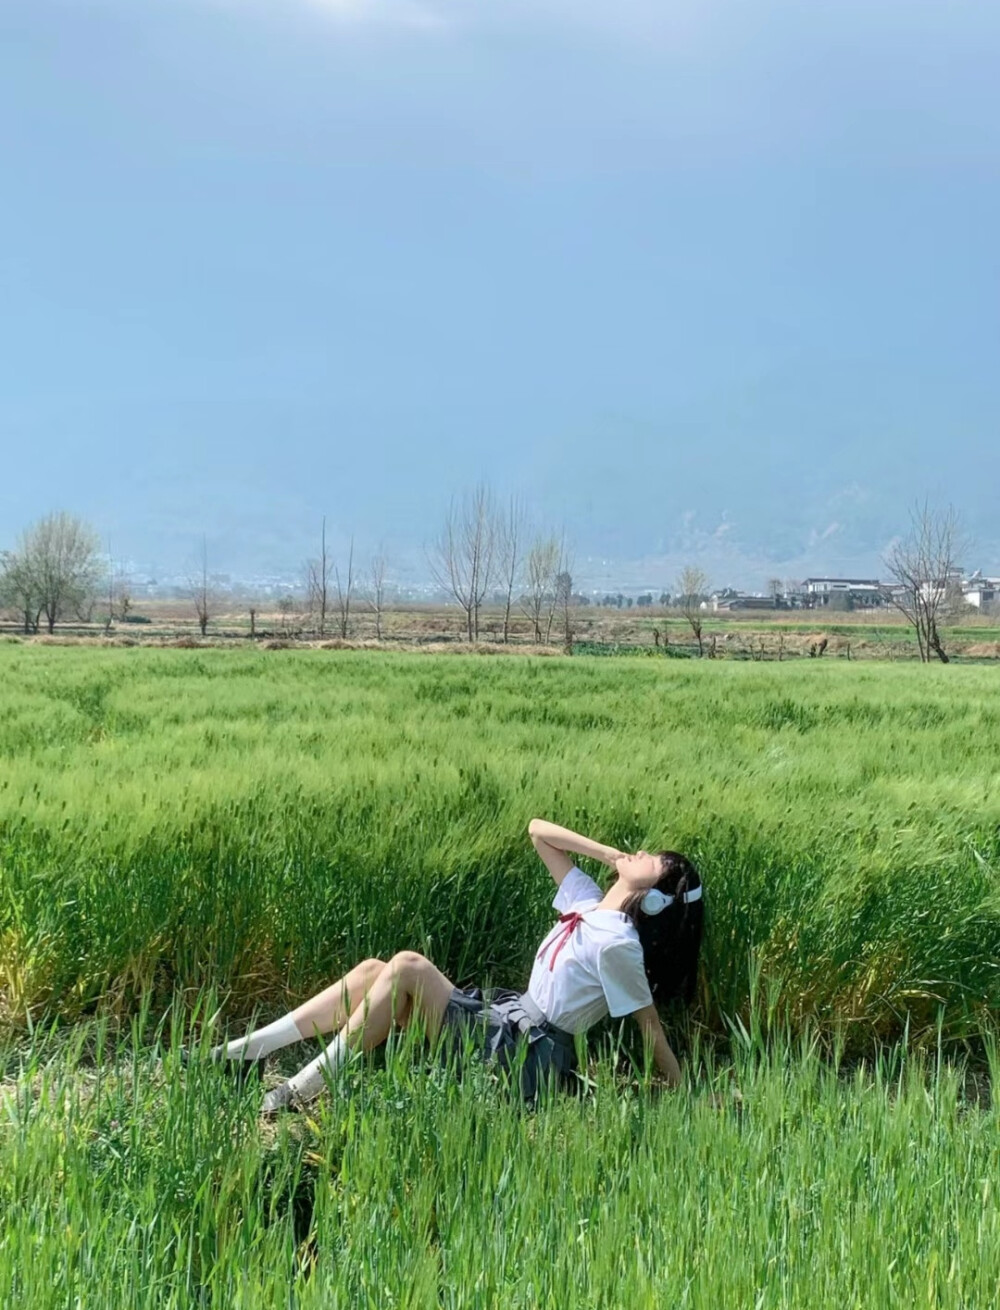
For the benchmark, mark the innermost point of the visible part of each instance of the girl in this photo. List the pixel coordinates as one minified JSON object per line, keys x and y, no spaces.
{"x":620,"y":952}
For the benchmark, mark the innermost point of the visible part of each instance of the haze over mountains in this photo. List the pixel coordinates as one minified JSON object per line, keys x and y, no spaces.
{"x":702,"y":283}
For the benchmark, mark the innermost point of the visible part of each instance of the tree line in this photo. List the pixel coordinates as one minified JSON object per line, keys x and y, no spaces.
{"x":487,"y":552}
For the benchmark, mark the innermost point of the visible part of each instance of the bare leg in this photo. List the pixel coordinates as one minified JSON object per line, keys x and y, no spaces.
{"x":328,"y":1011}
{"x":409,"y":986}
{"x":324,"y":1013}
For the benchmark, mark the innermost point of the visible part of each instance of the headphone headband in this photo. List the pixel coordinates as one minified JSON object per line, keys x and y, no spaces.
{"x":655,"y":901}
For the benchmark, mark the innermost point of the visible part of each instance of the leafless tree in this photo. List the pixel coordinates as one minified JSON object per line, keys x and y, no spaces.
{"x":557,"y":598}
{"x":512,"y":526}
{"x":375,"y":594}
{"x":563,"y":592}
{"x":85,"y":604}
{"x":123,"y":596}
{"x":923,"y":566}
{"x":119,"y":596}
{"x":109,"y":621}
{"x":201,"y":592}
{"x":692,"y":587}
{"x":318,"y":581}
{"x":53,"y":569}
{"x":541,"y":565}
{"x":345,"y":589}
{"x":286,"y":608}
{"x":463,"y":560}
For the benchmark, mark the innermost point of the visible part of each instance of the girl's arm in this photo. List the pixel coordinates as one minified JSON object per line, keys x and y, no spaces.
{"x":655,"y":1038}
{"x":552,"y":844}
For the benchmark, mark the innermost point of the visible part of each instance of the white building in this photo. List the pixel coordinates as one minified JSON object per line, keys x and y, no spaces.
{"x":981,"y":592}
{"x":942,"y":589}
{"x":844,"y":593}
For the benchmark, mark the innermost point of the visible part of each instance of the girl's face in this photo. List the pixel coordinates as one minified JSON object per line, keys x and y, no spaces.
{"x":639,"y":871}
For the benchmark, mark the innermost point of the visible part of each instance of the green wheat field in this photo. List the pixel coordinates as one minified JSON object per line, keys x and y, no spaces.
{"x":191,"y":838}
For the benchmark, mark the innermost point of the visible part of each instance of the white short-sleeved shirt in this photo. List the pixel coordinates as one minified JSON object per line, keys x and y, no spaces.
{"x":598,"y":971}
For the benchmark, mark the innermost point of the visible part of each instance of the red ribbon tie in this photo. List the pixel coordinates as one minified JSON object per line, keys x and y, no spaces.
{"x":569,"y":924}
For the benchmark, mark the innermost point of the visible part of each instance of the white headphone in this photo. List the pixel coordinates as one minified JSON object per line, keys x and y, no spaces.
{"x":655,"y":901}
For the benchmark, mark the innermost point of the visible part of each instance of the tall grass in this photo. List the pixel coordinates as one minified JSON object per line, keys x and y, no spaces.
{"x":772,"y":1180}
{"x":260,"y":821}
{"x":187,"y":832}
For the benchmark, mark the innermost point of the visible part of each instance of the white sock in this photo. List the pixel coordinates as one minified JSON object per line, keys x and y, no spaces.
{"x":311,"y":1080}
{"x":262,"y":1042}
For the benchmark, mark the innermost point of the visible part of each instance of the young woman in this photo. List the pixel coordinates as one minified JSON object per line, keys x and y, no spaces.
{"x":618,"y":952}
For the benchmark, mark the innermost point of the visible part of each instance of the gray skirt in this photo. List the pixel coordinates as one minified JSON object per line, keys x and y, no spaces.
{"x":507,"y":1029}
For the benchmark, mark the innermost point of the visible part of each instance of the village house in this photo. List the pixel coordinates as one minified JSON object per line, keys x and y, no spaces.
{"x":943,"y":589}
{"x":843,"y":593}
{"x":729,"y":600}
{"x":981,"y":592}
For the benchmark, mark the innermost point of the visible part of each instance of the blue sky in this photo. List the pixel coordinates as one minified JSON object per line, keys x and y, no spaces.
{"x":702,"y":281}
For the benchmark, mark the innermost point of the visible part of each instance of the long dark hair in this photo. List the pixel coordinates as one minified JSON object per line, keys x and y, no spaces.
{"x":671,"y":939}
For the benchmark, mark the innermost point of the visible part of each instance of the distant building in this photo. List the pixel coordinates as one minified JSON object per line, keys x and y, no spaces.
{"x":942,"y":589}
{"x":729,"y":600}
{"x":981,"y":592}
{"x":843,"y":593}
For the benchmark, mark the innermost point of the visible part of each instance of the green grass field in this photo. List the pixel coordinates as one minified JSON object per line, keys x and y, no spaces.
{"x":182,"y":831}
{"x":122,"y":1186}
{"x":259,"y":821}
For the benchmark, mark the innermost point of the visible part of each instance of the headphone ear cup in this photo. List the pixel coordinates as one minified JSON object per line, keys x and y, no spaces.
{"x":654,"y":902}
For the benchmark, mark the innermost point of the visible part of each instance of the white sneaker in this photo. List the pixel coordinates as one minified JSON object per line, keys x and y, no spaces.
{"x":280,"y":1098}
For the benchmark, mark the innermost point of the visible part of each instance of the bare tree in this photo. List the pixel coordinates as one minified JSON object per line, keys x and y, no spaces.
{"x":563,"y":592}
{"x":692,"y":586}
{"x":344,"y":591}
{"x":924,"y":569}
{"x":119,"y":596}
{"x":541,"y":565}
{"x":201,"y":592}
{"x":463,"y":560}
{"x":109,"y":621}
{"x":123,"y":595}
{"x":54,"y":569}
{"x":85,"y":604}
{"x":557,"y":598}
{"x":375,"y":595}
{"x":286,"y":608}
{"x":318,"y":581}
{"x":511,"y":531}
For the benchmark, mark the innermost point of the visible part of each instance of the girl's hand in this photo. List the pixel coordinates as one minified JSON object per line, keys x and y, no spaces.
{"x":555,"y":844}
